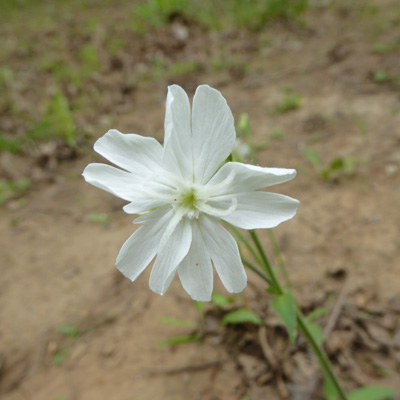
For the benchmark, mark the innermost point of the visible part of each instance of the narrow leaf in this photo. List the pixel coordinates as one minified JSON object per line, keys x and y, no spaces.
{"x":372,"y":393}
{"x":71,"y":330}
{"x":315,"y":331}
{"x":313,"y":157}
{"x":285,"y":306}
{"x":178,"y":322}
{"x":179,"y":340}
{"x":330,"y":390}
{"x":318,"y":312}
{"x":219,"y":300}
{"x":241,"y":316}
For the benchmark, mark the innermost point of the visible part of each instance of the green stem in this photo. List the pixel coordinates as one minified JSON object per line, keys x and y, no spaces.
{"x":244,"y":240}
{"x":249,"y":265}
{"x":279,"y":258}
{"x":266,"y":265}
{"x":321,"y":355}
{"x":317,"y":349}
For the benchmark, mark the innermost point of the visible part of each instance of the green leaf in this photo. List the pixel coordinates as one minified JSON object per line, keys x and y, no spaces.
{"x":172,"y":341}
{"x":372,"y":393}
{"x":330,"y":390}
{"x":318,"y":312}
{"x":285,"y":306}
{"x":272,"y":290}
{"x":313,"y":157}
{"x":220,"y":301}
{"x":315,"y":331}
{"x":99,"y":218}
{"x":241,"y":316}
{"x":178,"y":322}
{"x":71,"y":330}
{"x":60,"y":357}
{"x":337,"y":164}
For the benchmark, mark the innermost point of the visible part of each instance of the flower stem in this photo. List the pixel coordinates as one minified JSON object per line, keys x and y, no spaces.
{"x":317,"y":349}
{"x":321,"y":355}
{"x":249,"y":265}
{"x":266,"y":264}
{"x":249,"y":247}
{"x":279,"y":258}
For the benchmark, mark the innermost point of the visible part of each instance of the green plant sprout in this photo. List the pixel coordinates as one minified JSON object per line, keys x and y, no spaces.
{"x":337,"y":169}
{"x":245,"y":148}
{"x":181,"y":339}
{"x":71,"y":331}
{"x":10,"y":189}
{"x":100,"y":218}
{"x":291,"y":101}
{"x":381,"y":76}
{"x":56,"y":123}
{"x":252,"y":15}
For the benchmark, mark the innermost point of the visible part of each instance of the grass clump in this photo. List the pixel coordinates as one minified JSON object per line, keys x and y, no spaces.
{"x":57,"y":122}
{"x":10,"y":144}
{"x":215,"y":15}
{"x":291,"y":101}
{"x":12,"y":188}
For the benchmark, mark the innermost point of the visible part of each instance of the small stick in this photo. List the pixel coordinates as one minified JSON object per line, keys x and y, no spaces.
{"x":187,"y":368}
{"x":333,"y":317}
{"x":266,"y":349}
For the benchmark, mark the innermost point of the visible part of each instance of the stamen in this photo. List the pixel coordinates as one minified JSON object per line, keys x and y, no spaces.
{"x":216,"y":189}
{"x":204,"y":207}
{"x":168,"y":198}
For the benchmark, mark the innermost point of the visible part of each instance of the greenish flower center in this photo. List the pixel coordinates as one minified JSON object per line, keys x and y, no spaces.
{"x":188,"y":199}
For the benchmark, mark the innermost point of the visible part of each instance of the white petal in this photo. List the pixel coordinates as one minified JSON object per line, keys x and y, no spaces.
{"x":213,"y":132}
{"x":142,"y":203}
{"x":149,"y":195}
{"x":258,"y":210}
{"x":195,"y":271}
{"x":169,"y":257}
{"x":250,"y":177}
{"x":224,"y":254}
{"x":137,"y":252}
{"x":178,"y":157}
{"x":138,"y":154}
{"x":113,"y":180}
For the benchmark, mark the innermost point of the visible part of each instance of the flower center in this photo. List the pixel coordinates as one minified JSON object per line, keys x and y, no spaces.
{"x":188,"y":202}
{"x":188,"y":198}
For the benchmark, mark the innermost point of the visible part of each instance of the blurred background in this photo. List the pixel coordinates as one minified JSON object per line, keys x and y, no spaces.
{"x":313,"y":85}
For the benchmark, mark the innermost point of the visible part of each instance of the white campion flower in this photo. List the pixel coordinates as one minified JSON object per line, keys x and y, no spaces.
{"x":182,"y":192}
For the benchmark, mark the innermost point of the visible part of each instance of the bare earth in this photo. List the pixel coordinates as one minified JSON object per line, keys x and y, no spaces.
{"x":57,"y":266}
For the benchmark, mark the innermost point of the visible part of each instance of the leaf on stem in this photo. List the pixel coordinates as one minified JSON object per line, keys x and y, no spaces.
{"x":175,"y":340}
{"x":220,"y":300}
{"x":318,"y":312}
{"x":285,"y":306}
{"x":330,"y":391}
{"x":372,"y":393}
{"x":241,"y":316}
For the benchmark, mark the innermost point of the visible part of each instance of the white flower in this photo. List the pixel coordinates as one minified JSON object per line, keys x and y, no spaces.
{"x":182,"y":192}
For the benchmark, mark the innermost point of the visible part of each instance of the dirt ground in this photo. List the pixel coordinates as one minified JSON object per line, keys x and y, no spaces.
{"x":341,"y":250}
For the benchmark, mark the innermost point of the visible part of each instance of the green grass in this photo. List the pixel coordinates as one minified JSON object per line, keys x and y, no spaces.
{"x":387,"y":47}
{"x":12,"y":188}
{"x":57,"y":122}
{"x":10,"y":144}
{"x":290,"y":102}
{"x":381,"y":76}
{"x":215,"y":15}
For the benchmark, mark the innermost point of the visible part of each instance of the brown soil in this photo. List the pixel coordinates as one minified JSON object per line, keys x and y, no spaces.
{"x":58,"y":266}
